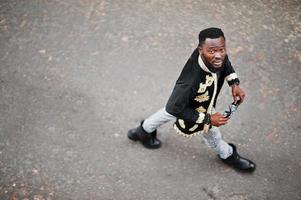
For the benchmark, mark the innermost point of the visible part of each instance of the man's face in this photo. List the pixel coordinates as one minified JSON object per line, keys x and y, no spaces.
{"x":213,"y":52}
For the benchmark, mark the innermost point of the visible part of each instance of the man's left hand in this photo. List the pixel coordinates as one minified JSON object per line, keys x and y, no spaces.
{"x":238,"y":94}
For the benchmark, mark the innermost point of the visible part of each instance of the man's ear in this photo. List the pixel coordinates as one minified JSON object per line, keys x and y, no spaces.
{"x":200,"y":49}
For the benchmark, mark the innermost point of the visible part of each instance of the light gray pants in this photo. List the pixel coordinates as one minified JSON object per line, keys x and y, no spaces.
{"x":213,"y":138}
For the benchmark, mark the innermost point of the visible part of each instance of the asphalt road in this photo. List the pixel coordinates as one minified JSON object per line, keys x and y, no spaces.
{"x":75,"y":75}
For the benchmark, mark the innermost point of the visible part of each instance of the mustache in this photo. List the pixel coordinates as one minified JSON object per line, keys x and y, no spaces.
{"x":213,"y":69}
{"x":217,"y":59}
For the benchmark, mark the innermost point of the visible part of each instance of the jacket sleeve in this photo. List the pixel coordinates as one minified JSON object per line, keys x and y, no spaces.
{"x":229,"y":73}
{"x":178,"y":104}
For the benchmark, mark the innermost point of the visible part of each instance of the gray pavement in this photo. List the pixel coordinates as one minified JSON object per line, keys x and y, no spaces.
{"x":75,"y":75}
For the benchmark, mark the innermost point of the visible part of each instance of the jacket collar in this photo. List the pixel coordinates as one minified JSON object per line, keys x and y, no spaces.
{"x":202,"y":64}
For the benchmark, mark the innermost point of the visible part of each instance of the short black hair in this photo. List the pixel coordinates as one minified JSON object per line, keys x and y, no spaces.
{"x":211,"y":33}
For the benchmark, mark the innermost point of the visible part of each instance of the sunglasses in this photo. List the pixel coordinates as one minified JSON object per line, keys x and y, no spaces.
{"x":232,"y":108}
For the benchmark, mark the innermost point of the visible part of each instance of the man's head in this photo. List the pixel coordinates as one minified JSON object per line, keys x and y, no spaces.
{"x":212,"y":48}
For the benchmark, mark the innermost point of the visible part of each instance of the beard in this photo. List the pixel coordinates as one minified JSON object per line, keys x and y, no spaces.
{"x":214,"y":69}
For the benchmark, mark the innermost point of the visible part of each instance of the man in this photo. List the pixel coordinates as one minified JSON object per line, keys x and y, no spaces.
{"x":193,"y":99}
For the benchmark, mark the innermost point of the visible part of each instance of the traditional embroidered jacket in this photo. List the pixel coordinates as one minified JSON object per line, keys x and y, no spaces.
{"x":195,"y":93}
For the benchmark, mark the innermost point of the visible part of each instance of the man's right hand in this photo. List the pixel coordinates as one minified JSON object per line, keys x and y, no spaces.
{"x":217,"y":119}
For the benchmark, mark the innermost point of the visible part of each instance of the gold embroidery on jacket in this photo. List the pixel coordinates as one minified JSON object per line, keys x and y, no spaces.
{"x":182,"y":124}
{"x":201,"y":118}
{"x":209,"y":80}
{"x":184,"y":134}
{"x":202,"y":98}
{"x":201,"y":109}
{"x":202,"y":88}
{"x":193,"y":128}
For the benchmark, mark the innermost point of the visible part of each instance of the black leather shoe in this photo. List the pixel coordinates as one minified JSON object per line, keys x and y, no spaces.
{"x":238,"y":162}
{"x":148,"y":140}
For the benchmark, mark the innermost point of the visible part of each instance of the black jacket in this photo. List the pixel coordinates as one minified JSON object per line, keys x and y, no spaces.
{"x":195,"y":94}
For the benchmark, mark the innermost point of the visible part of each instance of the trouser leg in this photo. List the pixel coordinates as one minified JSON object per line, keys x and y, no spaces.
{"x":157,"y":119}
{"x":214,"y":140}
